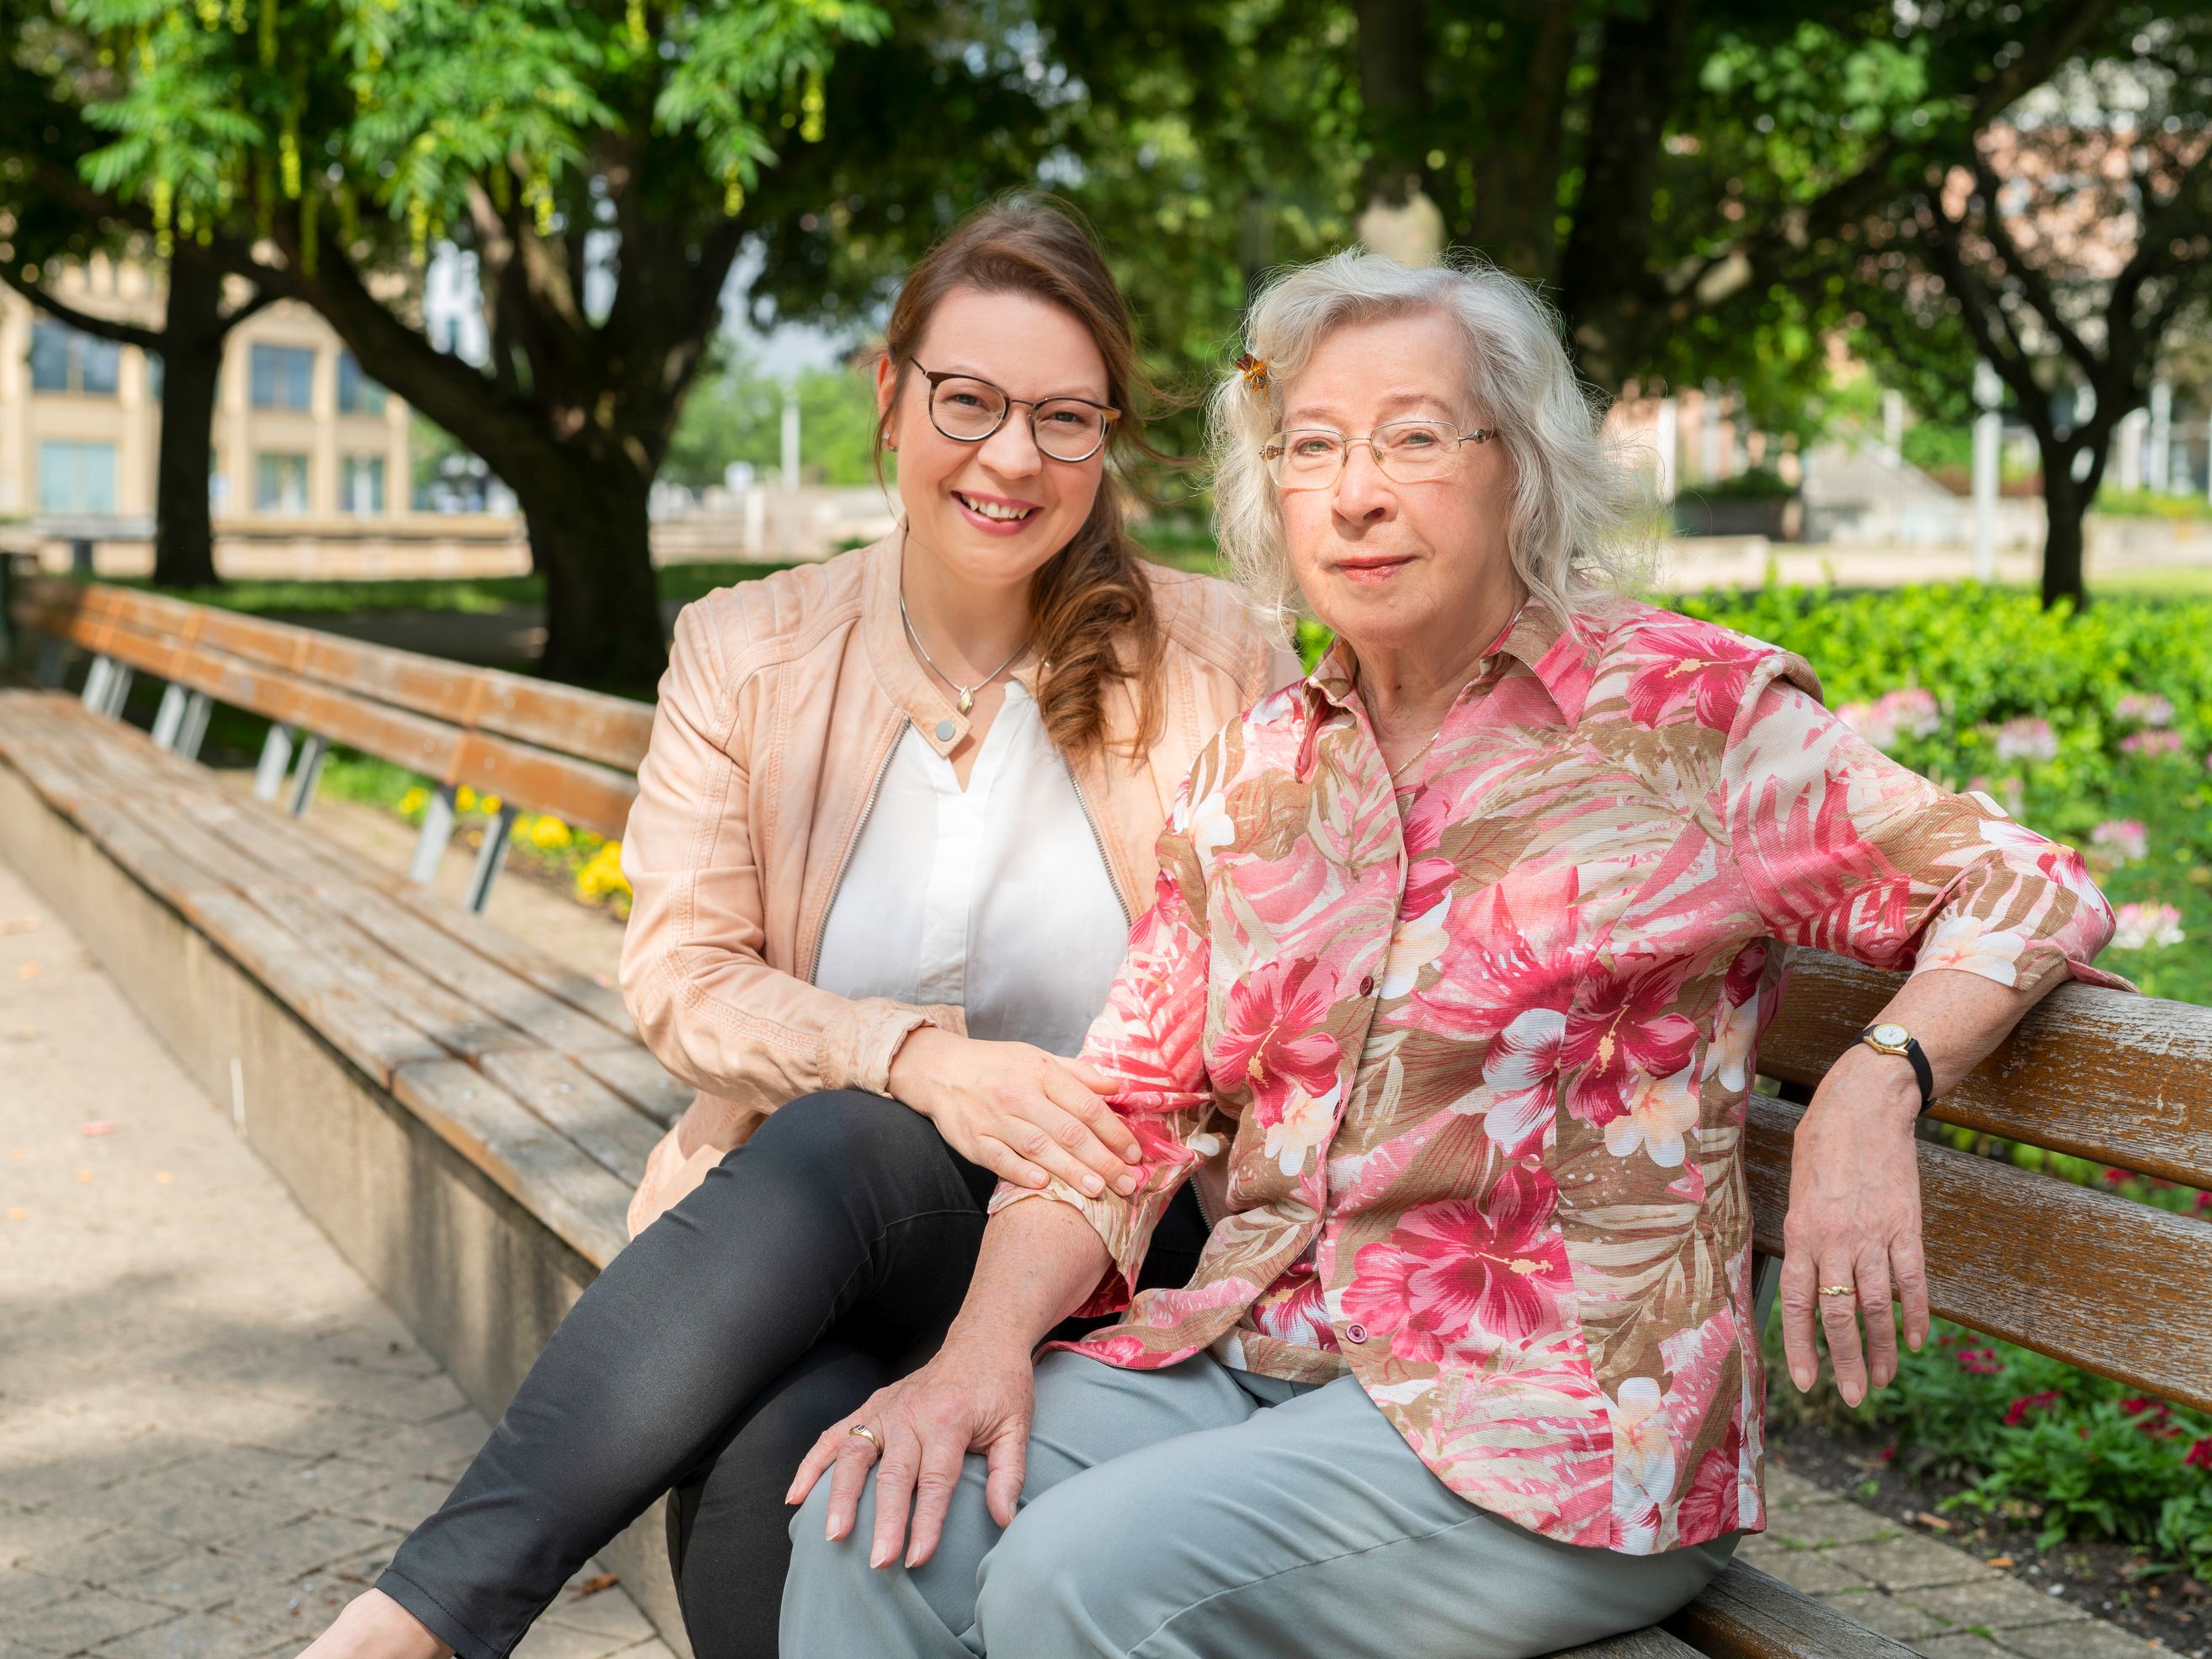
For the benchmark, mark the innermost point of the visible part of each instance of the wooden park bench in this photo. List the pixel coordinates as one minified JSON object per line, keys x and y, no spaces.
{"x":466,"y":1118}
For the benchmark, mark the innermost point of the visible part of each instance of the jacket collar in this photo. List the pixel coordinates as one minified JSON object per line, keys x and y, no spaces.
{"x":917,"y":694}
{"x":1535,"y":635}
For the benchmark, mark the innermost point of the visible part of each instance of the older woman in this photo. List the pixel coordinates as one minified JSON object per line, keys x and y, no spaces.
{"x":1461,"y":948}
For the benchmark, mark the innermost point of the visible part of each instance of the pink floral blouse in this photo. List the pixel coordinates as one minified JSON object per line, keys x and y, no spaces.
{"x":1478,"y":1047}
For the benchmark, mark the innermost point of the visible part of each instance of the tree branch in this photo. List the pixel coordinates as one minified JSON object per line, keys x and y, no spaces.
{"x":107,"y":328}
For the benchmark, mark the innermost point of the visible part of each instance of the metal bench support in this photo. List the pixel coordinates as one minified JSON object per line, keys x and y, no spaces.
{"x":94,"y":694}
{"x":53,"y":663}
{"x":276,"y":761}
{"x":309,"y":770}
{"x":192,"y":732}
{"x":169,"y":717}
{"x":489,"y":858}
{"x":437,"y":831}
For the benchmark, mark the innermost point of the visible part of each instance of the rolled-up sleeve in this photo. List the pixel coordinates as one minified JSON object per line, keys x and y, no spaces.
{"x":1843,"y":849}
{"x":1149,"y":1038}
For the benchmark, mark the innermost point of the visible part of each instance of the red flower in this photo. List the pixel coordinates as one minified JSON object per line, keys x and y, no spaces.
{"x":2016,"y":1413}
{"x":1628,"y":1024}
{"x":2114,"y":1177}
{"x":1271,"y":1032}
{"x":1696,"y":666}
{"x":2199,"y":1455}
{"x":1461,"y":1274}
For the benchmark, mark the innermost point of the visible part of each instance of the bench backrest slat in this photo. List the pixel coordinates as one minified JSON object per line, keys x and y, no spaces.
{"x":612,"y":730}
{"x":2088,"y":1277}
{"x":2123,"y":1080}
{"x":580,"y":792}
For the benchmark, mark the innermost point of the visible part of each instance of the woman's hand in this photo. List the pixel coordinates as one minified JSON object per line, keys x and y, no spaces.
{"x":973,"y":1396}
{"x":1854,"y":1219}
{"x":1019,"y":1112}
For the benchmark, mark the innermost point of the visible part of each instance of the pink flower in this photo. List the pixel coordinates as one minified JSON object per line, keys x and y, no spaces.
{"x":2144,"y":709}
{"x":2138,"y":927}
{"x":1629,"y":1025}
{"x":1522,"y":1067}
{"x":1460,"y":1274}
{"x":1697,"y":668}
{"x":2028,"y":738}
{"x":1514,"y":945}
{"x":2124,"y":838}
{"x":1271,"y":1032}
{"x":2151,"y":743}
{"x":1908,"y":711}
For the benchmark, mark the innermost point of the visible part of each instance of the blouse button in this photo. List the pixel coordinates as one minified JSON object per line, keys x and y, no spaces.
{"x":945,"y":730}
{"x":1355,"y":1333}
{"x":1367,"y":985}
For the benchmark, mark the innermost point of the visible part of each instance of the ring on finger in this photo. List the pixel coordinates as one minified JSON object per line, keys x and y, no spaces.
{"x":1840,"y":1290}
{"x":866,"y":1434}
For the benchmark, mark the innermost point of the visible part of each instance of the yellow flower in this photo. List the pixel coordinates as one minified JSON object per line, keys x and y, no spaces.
{"x":550,"y":833}
{"x":465,"y":799}
{"x":490,"y":803}
{"x":413,"y":801}
{"x":601,"y":877}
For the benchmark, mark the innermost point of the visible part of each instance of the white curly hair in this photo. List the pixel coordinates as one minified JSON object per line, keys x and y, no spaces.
{"x":1582,"y":526}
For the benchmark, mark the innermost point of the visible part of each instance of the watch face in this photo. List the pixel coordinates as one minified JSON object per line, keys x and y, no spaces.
{"x":1891,"y":1036}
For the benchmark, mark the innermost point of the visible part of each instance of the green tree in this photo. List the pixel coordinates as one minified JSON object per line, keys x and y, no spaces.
{"x":52,"y":218}
{"x":592,"y":158}
{"x":735,"y":413}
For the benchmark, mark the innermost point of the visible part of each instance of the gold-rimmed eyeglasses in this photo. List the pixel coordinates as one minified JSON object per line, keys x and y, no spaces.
{"x":1408,"y":452}
{"x":967,"y":410}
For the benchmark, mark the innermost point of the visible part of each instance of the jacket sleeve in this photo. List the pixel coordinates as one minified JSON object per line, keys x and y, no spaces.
{"x":747,"y":1035}
{"x":1845,"y":850}
{"x":1149,"y":1039}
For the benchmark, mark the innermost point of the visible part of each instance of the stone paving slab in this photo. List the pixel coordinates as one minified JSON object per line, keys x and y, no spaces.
{"x":1939,"y":1600}
{"x":212,"y":1434}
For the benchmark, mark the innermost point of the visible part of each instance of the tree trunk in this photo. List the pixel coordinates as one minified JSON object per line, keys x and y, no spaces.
{"x":590,"y":535}
{"x":2064,"y":504}
{"x":191,"y":357}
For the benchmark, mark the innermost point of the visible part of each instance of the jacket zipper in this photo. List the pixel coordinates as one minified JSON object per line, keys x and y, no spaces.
{"x":852,"y":845}
{"x":1082,"y":801}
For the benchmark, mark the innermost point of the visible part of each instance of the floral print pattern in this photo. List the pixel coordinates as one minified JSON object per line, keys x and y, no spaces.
{"x":1476,"y":1049}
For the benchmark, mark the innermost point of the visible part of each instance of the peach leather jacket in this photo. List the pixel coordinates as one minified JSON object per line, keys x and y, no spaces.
{"x":783,"y":700}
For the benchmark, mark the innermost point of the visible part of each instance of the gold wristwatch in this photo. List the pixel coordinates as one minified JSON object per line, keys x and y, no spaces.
{"x":1888,"y":1037}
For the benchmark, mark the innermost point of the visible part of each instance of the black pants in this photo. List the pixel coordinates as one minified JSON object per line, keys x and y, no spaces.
{"x":816,"y":1263}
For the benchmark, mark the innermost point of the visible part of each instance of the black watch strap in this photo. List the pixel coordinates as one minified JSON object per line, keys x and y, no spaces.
{"x":1921,"y":1071}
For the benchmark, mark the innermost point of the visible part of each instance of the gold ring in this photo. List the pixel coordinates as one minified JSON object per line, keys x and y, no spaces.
{"x":1840,"y":1290}
{"x":868,"y":1435}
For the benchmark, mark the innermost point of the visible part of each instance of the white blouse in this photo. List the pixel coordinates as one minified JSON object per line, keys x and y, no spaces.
{"x":995,"y":898}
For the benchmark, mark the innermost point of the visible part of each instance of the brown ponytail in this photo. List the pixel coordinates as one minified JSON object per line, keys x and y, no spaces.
{"x":1091,"y":615}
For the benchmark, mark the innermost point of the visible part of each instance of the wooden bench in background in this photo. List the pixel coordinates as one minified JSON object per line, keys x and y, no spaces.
{"x":466,"y":1118}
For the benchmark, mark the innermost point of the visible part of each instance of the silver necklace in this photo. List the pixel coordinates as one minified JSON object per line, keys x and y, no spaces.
{"x":967,"y":693}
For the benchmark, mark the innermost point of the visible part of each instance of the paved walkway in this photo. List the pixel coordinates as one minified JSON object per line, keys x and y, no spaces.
{"x":212,"y":1433}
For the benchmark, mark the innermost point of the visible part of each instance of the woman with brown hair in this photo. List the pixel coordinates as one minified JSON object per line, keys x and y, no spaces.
{"x":897,"y":816}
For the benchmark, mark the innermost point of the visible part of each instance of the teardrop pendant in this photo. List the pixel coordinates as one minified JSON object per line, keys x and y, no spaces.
{"x":967,"y":700}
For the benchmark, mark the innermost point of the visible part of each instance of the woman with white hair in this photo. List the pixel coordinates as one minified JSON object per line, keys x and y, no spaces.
{"x":1460,"y":951}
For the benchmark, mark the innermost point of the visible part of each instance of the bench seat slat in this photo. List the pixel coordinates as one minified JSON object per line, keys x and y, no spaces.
{"x":579,"y":1106}
{"x":2096,"y":1279}
{"x":534,"y":1165}
{"x":556,"y":979}
{"x":640,"y":1079}
{"x":1649,"y":1642}
{"x":1744,"y":1614}
{"x":2102,"y":1075}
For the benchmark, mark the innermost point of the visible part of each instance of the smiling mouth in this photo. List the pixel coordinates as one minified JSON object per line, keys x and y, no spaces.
{"x":1003,"y":511}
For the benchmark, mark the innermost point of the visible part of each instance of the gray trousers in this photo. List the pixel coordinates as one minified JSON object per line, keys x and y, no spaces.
{"x":1200,"y":1511}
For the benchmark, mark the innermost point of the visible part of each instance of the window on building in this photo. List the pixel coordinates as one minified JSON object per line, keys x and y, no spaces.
{"x":280,"y":482}
{"x":362,"y":482}
{"x":77,"y":478}
{"x":357,"y":393}
{"x":283,"y":376}
{"x":63,"y":359}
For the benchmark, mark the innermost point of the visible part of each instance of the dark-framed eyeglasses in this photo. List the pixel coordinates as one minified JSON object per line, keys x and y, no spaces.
{"x":1418,"y":451}
{"x":967,"y":410}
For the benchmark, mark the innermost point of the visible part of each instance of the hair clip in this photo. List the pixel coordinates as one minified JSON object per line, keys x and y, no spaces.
{"x":1255,"y":372}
